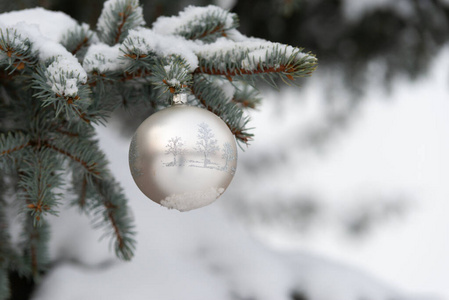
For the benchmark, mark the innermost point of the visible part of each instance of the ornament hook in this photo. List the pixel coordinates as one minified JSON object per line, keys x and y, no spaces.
{"x":179,"y":99}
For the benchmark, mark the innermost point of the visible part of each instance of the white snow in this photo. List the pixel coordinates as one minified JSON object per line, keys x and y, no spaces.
{"x":45,"y":47}
{"x":103,"y":58}
{"x":63,"y":66}
{"x":263,"y":52}
{"x":44,"y":29}
{"x":146,"y":40}
{"x":192,"y":200}
{"x":65,"y":75}
{"x":190,"y":15}
{"x":257,"y":50}
{"x":51,"y":24}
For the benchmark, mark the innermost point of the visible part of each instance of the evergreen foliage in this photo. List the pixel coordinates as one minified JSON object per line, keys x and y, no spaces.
{"x":52,"y":92}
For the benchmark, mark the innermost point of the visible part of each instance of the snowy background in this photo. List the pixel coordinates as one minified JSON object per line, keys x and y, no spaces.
{"x":351,"y":211}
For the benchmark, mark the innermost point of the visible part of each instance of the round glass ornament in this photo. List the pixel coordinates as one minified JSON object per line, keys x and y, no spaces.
{"x":183,"y":157}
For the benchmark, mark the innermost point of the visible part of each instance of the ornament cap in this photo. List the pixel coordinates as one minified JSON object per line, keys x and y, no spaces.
{"x":179,"y":99}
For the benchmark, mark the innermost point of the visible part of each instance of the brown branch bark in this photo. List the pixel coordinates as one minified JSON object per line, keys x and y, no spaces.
{"x":70,"y":101}
{"x":239,"y":72}
{"x":243,"y":102}
{"x":80,"y":45}
{"x":68,"y":133}
{"x":124,"y":16}
{"x":215,"y":30}
{"x":118,"y":234}
{"x":17,"y":148}
{"x":139,"y":74}
{"x":82,"y":200}
{"x":110,"y":213}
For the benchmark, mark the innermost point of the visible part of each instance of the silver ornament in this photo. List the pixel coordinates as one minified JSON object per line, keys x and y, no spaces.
{"x":183,"y":157}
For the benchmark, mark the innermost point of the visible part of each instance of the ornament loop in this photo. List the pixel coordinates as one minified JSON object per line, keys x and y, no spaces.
{"x":179,"y":99}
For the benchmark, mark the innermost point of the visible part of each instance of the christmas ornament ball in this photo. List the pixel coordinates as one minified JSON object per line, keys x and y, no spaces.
{"x":183,"y":157}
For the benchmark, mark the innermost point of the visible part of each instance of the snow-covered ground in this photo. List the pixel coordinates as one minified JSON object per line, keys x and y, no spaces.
{"x":398,"y":146}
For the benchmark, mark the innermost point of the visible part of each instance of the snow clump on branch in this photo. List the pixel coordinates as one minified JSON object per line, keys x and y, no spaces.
{"x":146,"y":41}
{"x":65,"y":75}
{"x":102,"y":58}
{"x":43,"y":28}
{"x":191,"y":16}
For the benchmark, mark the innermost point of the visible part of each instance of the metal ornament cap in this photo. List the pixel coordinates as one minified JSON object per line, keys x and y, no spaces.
{"x":183,"y":157}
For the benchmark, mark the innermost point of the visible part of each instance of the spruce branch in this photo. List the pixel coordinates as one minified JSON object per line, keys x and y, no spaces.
{"x":213,"y":99}
{"x":265,"y":60}
{"x":78,"y":39}
{"x":111,"y":212}
{"x":65,"y":128}
{"x":12,"y":142}
{"x":80,"y":189}
{"x":138,"y":60}
{"x":171,"y":75}
{"x":35,"y":247}
{"x":15,"y":50}
{"x":246,"y":96}
{"x":204,"y":23}
{"x":117,"y":18}
{"x":62,"y":85}
{"x":103,"y":200}
{"x":81,"y":152}
{"x":143,"y":46}
{"x":39,"y":175}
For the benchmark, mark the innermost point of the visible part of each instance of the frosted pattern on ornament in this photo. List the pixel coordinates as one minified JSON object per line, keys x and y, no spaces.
{"x":206,"y":145}
{"x":192,"y":200}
